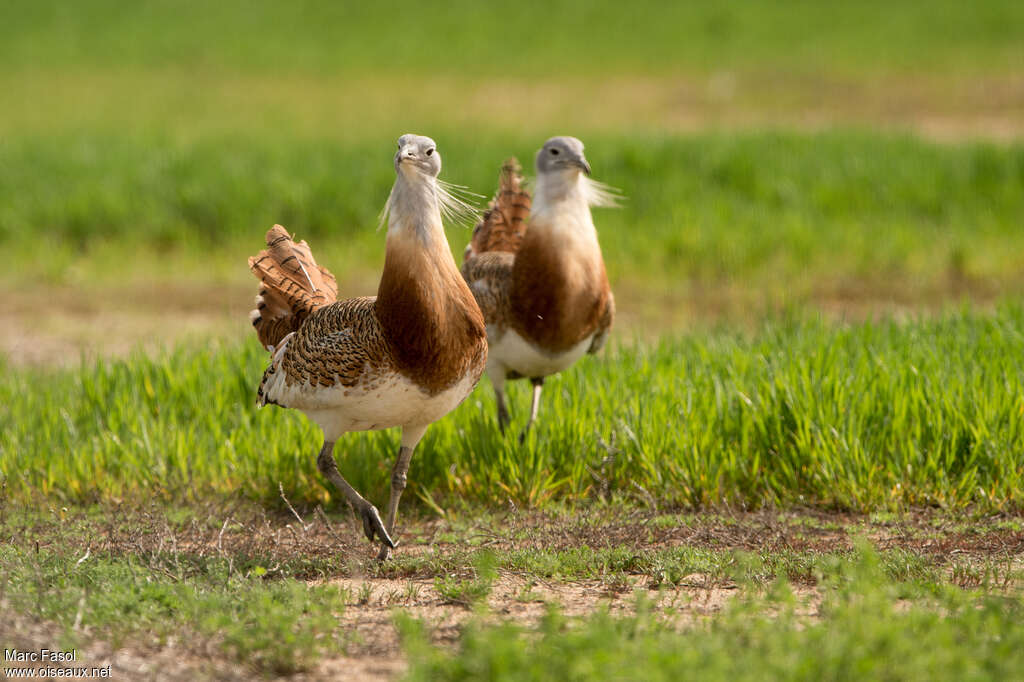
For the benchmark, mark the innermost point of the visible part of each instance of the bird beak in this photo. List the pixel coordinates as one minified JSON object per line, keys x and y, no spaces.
{"x":407,"y":153}
{"x":582,"y":164}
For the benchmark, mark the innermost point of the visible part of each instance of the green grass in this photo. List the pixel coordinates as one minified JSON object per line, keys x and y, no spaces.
{"x":275,"y":626}
{"x":871,"y":416}
{"x":173,"y":133}
{"x":158,"y":141}
{"x":317,"y":36}
{"x":474,"y":589}
{"x":150,"y":579}
{"x":466,"y":576}
{"x":155,"y":142}
{"x":868,"y":626}
{"x":356,"y":71}
{"x":758,"y":218}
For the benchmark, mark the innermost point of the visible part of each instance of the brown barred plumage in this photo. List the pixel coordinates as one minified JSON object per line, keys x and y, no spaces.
{"x":489,"y":276}
{"x":504,"y":223}
{"x":338,"y":344}
{"x":292,"y":286}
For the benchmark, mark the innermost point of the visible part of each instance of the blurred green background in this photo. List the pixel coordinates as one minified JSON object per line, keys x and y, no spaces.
{"x":850,"y":157}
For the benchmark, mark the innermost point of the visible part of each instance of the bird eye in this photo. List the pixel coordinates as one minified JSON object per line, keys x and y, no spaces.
{"x":430,"y":151}
{"x":554,"y":151}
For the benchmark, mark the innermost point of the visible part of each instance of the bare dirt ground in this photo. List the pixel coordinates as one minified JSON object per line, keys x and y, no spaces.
{"x":59,"y":326}
{"x":319,"y":548}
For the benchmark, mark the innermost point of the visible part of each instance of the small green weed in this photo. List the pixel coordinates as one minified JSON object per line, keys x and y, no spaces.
{"x":864,"y":628}
{"x":473,"y":590}
{"x":273,"y":626}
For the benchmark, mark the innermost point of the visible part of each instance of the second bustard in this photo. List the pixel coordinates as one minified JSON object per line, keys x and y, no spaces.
{"x":537,"y":271}
{"x":404,"y":358}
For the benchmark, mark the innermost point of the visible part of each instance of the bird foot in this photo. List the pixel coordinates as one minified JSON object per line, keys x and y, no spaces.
{"x":522,"y":435}
{"x":373,"y":526}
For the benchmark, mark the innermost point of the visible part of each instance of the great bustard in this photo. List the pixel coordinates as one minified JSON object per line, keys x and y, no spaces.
{"x":405,"y":358}
{"x":537,"y":271}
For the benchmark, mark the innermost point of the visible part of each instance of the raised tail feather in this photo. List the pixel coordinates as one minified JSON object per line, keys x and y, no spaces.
{"x":504,"y":223}
{"x":292,"y":286}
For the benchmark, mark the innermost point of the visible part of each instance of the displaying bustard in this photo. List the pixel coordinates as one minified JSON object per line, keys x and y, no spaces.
{"x":404,"y":358}
{"x":537,"y":271}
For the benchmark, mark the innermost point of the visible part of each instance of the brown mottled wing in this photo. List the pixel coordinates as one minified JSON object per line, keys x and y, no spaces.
{"x":340,"y":344}
{"x":604,"y":325}
{"x":292,"y":286}
{"x":489,"y":276}
{"x":504,"y":223}
{"x":337,"y":344}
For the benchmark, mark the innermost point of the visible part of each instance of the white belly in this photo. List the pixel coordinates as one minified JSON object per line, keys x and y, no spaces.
{"x":512,"y":353}
{"x":392,"y":400}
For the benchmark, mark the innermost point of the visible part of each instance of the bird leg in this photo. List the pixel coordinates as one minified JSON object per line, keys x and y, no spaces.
{"x":538,"y":384}
{"x":372,"y":525}
{"x":398,"y":481}
{"x":499,"y":394}
{"x":410,"y":437}
{"x":503,"y":417}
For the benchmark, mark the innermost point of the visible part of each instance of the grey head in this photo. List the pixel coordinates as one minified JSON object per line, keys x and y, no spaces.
{"x":562,"y":153}
{"x":417,"y":155}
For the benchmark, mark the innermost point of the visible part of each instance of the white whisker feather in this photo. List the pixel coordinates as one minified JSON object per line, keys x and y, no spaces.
{"x":382,"y":218}
{"x":457,"y":202}
{"x":600,"y":195}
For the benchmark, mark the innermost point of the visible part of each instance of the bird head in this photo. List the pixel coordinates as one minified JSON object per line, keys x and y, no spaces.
{"x":417,"y":165}
{"x":417,"y":155}
{"x":562,"y":154}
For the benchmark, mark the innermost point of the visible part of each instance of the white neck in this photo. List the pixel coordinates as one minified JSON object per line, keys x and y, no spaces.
{"x":560,"y":207}
{"x":413,"y":210}
{"x":558,"y":188}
